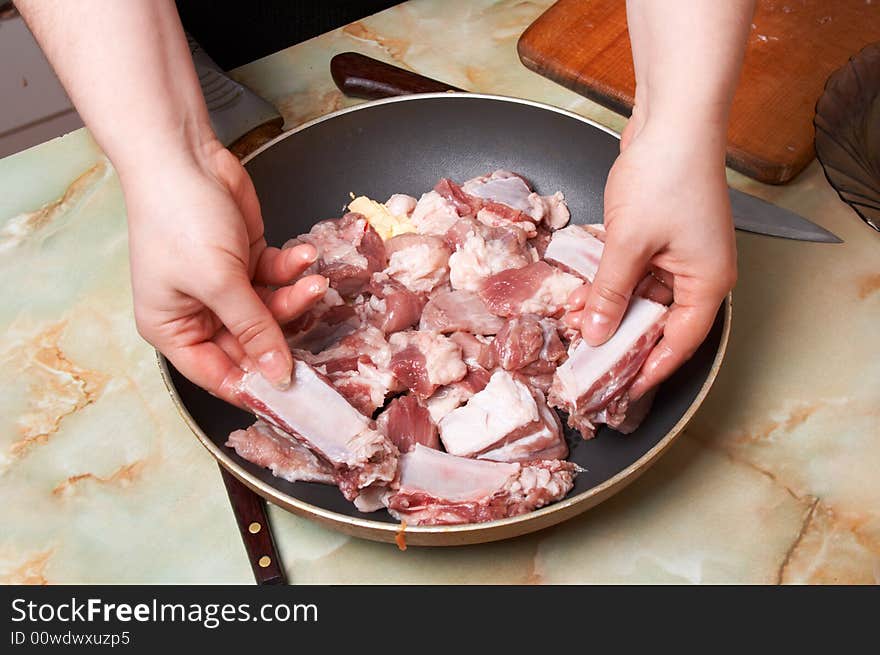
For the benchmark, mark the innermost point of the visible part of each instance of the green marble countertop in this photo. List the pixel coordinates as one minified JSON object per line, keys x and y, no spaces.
{"x":775,"y":480}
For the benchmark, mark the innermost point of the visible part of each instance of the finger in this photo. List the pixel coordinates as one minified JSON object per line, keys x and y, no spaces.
{"x":234,"y":350}
{"x":207,"y":365}
{"x":288,"y":303}
{"x":685,"y":330}
{"x":246,"y":317}
{"x":277,"y":267}
{"x":652,"y":289}
{"x":622,"y":266}
{"x":578,"y":297}
{"x":574,"y":320}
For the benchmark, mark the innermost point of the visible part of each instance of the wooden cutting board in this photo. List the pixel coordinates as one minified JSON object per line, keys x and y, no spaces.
{"x":793,"y":47}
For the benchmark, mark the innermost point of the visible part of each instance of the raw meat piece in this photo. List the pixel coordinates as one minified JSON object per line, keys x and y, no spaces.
{"x":530,"y":344}
{"x":593,"y":376}
{"x":434,"y":214}
{"x":311,"y":410}
{"x":465,"y":204}
{"x":400,"y":204}
{"x":524,"y":429}
{"x":329,"y":320}
{"x":423,"y":361}
{"x":483,"y":251}
{"x":575,"y":250}
{"x":440,"y":489}
{"x":407,"y":422}
{"x":540,"y":241}
{"x":349,"y":252}
{"x":452,"y":396}
{"x":476,"y":350}
{"x":287,"y":458}
{"x":511,"y":190}
{"x":419,"y":262}
{"x":623,"y":415}
{"x":358,"y":366}
{"x":448,"y":311}
{"x":392,"y":307}
{"x":534,"y":289}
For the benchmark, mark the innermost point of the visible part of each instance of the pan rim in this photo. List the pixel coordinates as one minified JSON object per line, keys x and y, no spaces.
{"x":385,"y":531}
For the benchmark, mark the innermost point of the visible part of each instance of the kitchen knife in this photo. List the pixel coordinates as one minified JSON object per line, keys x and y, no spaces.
{"x":243,"y":122}
{"x":364,"y":77}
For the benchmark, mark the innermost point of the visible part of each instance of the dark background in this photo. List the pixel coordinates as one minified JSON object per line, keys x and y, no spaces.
{"x":236,"y":33}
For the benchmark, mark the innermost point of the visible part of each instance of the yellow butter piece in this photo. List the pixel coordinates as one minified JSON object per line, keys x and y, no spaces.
{"x":385,"y":223}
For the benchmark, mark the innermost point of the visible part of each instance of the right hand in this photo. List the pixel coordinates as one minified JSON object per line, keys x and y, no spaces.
{"x":202,"y":273}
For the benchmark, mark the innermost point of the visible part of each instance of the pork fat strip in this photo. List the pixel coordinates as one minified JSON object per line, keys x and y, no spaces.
{"x":287,"y":458}
{"x":593,"y":376}
{"x":311,"y":410}
{"x":436,"y":488}
{"x":406,"y":423}
{"x":419,"y":262}
{"x":534,"y":289}
{"x":505,"y":411}
{"x":423,"y":361}
{"x":349,"y":252}
{"x":529,"y":344}
{"x":541,"y":440}
{"x":482,"y":251}
{"x":450,"y":311}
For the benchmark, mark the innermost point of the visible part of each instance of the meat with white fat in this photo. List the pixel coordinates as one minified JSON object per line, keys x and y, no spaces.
{"x":434,"y":214}
{"x":534,"y":289}
{"x":437,"y":488}
{"x":449,"y":311}
{"x":482,"y":251}
{"x":423,"y":361}
{"x":593,"y":375}
{"x":391,"y":306}
{"x":525,"y":426}
{"x":311,"y":410}
{"x":349,"y":252}
{"x":419,"y":262}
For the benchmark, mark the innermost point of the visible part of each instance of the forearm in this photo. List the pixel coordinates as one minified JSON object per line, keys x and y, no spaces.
{"x":127,"y":68}
{"x":687,"y":56}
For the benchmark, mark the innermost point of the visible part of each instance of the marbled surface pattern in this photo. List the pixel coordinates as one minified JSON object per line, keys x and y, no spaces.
{"x":775,"y":480}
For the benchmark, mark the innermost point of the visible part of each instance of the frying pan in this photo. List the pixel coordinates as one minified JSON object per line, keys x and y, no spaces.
{"x":404,"y":145}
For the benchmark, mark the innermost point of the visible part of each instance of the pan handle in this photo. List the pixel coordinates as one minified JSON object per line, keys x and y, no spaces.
{"x":364,"y":77}
{"x":253,"y":524}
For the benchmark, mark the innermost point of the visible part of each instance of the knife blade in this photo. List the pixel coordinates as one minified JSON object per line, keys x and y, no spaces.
{"x":364,"y":77}
{"x":752,"y":214}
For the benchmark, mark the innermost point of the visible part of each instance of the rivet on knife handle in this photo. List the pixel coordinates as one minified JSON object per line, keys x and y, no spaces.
{"x":364,"y":77}
{"x":253,"y":524}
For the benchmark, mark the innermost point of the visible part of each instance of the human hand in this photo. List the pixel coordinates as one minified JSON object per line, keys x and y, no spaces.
{"x":202,"y":274}
{"x":666,"y":206}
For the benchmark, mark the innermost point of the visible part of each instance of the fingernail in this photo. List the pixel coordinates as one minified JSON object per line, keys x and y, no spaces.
{"x":573,"y":319}
{"x":319,"y":286}
{"x":275,"y":367}
{"x":310,"y":254}
{"x":596,"y":328}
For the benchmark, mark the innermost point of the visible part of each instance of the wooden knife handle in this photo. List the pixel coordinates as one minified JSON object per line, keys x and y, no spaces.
{"x":253,"y":524}
{"x":364,"y":77}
